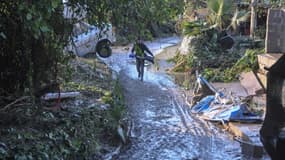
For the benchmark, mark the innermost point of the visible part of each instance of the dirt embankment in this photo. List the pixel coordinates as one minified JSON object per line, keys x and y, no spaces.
{"x":84,"y":127}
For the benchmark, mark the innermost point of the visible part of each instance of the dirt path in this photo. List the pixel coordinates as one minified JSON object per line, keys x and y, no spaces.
{"x":162,"y":127}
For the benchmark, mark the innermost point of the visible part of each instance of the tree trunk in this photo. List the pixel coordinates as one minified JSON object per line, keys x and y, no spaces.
{"x":253,"y":18}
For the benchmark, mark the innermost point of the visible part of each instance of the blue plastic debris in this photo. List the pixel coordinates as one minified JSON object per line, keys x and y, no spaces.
{"x":203,"y":104}
{"x":221,"y":108}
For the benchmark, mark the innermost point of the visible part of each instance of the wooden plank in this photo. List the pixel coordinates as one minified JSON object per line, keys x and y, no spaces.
{"x":53,"y":96}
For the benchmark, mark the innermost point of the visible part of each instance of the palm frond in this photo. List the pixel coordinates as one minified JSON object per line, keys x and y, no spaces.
{"x":238,"y":17}
{"x":219,"y":9}
{"x":193,"y":28}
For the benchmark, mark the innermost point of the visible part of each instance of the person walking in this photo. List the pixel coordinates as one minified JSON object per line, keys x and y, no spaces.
{"x":142,"y":53}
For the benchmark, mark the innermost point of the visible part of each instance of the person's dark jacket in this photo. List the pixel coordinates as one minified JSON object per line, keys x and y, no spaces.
{"x":143,"y":49}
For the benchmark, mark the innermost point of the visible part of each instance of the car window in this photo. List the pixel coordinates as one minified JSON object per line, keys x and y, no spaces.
{"x":80,"y":28}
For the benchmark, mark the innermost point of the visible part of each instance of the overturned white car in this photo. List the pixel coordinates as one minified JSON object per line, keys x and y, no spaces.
{"x":90,"y":39}
{"x":87,"y":38}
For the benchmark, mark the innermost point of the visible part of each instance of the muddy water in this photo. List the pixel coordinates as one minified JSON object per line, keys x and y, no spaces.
{"x":162,"y":127}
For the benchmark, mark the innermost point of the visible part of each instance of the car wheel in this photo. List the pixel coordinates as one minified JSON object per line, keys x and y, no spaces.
{"x":104,"y":50}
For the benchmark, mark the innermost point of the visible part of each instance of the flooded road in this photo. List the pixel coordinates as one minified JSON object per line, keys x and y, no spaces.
{"x":163,"y":129}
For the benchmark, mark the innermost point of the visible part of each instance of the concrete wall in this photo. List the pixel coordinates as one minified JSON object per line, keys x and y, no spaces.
{"x":275,"y":34}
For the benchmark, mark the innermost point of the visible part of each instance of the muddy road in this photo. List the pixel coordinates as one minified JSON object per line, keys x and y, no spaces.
{"x":162,"y":127}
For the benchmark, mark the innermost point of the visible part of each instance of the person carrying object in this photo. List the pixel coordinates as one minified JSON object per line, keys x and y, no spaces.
{"x":142,"y":53}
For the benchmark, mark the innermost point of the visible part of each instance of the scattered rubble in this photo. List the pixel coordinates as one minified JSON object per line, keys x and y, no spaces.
{"x":222,"y":107}
{"x":234,"y":112}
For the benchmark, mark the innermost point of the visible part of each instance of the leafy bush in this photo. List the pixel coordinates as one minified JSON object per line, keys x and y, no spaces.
{"x":32,"y":41}
{"x":73,"y":133}
{"x":247,"y":62}
{"x":33,"y":34}
{"x":193,"y":28}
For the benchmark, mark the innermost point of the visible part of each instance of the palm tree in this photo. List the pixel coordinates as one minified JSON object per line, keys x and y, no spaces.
{"x":223,"y":15}
{"x":220,"y":12}
{"x":253,"y":18}
{"x":237,"y":18}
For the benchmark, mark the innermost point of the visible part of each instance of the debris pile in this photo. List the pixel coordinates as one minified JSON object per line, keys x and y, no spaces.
{"x":214,"y":105}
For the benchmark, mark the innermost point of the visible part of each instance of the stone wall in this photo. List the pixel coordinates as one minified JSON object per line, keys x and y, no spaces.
{"x":275,"y":34}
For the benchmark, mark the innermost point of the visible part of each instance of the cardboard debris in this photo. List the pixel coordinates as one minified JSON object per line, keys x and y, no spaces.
{"x":263,"y":79}
{"x":250,"y":82}
{"x":267,"y":60}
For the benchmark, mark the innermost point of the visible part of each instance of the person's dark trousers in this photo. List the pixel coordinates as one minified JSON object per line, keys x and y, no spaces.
{"x":140,"y":67}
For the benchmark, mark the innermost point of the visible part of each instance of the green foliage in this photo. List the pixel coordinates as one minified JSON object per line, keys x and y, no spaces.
{"x":223,"y":15}
{"x":237,"y":18}
{"x":72,"y":133}
{"x":33,"y":34}
{"x":139,"y":18}
{"x":191,"y":5}
{"x":248,"y":62}
{"x":277,"y":3}
{"x":64,"y":135}
{"x":181,"y":60}
{"x":216,"y":64}
{"x":33,"y":44}
{"x":206,"y":51}
{"x":115,"y":116}
{"x":193,"y":28}
{"x":219,"y":12}
{"x":79,"y":130}
{"x":260,"y":32}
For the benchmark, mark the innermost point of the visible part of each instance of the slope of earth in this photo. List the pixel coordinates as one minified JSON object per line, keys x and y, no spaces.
{"x":84,"y":127}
